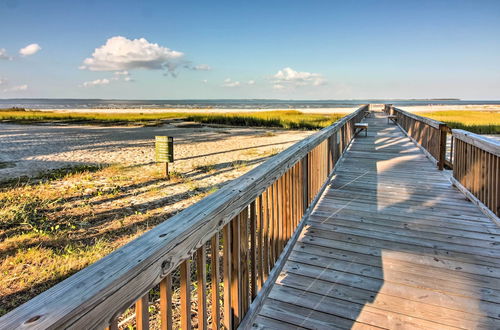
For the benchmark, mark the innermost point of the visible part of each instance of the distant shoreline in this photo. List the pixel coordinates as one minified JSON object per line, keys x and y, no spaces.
{"x":231,"y":105}
{"x":326,"y":110}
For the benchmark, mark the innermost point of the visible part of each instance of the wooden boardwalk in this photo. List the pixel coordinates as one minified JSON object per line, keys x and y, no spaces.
{"x":391,"y":244}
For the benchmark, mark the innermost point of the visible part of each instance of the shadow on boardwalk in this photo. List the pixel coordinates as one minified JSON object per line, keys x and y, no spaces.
{"x":392,"y":245}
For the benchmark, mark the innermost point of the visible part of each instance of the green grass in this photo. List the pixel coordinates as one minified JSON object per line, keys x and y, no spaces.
{"x":289,"y":119}
{"x":480,"y":122}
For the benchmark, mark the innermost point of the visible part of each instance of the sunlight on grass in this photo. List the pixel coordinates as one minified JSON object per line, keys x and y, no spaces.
{"x":289,"y":119}
{"x":481,"y":122}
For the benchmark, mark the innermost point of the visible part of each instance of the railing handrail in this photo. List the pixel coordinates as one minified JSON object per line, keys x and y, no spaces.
{"x":428,"y":121}
{"x":98,"y":293}
{"x":490,"y":145}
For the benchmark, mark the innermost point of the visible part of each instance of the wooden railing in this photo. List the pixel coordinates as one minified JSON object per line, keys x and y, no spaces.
{"x":473,"y":158}
{"x":428,"y":133}
{"x":476,"y":167}
{"x":226,"y":246}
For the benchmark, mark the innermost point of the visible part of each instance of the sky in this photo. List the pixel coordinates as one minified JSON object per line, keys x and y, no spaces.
{"x":250,"y":49}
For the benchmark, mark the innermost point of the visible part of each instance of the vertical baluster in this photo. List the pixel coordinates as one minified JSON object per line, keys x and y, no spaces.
{"x":227,"y":258}
{"x":185,"y":289}
{"x":245,"y":287}
{"x":142,"y":313}
{"x":266,"y":235}
{"x":283,"y":222}
{"x":236,"y":270}
{"x":276,"y":227}
{"x":166,"y":303}
{"x":201,"y":276}
{"x":253,"y":248}
{"x":214,"y":266}
{"x":289,"y":198}
{"x":272,"y":229}
{"x":260,"y":246}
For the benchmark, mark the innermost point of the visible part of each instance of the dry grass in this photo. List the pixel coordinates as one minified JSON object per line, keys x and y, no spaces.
{"x":481,"y":122}
{"x":59,"y":223}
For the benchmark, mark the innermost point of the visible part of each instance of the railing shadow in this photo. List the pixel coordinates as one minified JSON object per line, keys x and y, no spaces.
{"x":365,"y":257}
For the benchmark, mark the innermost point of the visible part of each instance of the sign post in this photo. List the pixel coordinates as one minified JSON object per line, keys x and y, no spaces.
{"x":164,"y":151}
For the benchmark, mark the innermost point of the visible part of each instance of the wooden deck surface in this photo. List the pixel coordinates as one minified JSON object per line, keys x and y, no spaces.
{"x":391,"y":244}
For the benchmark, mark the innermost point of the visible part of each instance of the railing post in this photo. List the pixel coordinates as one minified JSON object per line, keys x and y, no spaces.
{"x":442,"y":146}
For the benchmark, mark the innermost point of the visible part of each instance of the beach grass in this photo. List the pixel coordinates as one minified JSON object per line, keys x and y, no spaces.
{"x":480,"y":122}
{"x":288,"y":119}
{"x":61,"y":221}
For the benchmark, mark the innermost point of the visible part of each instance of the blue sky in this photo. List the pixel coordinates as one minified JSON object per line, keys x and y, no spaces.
{"x":250,"y":49}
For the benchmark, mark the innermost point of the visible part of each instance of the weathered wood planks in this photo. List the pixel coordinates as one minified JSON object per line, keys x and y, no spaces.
{"x":389,"y":246}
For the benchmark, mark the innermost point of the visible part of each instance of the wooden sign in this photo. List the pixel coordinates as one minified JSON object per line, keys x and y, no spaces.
{"x":164,"y":149}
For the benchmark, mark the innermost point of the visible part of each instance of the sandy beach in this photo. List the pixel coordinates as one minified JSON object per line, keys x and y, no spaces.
{"x":29,"y":149}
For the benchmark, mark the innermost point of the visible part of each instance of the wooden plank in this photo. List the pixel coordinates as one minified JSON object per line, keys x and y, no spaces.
{"x":244,"y":263}
{"x":166,"y":303}
{"x":482,"y":142}
{"x":185,"y":297}
{"x":227,"y":262}
{"x":253,"y":250}
{"x":483,"y":225}
{"x":201,"y":277}
{"x":414,"y":293}
{"x":266,"y":237}
{"x":236,"y":277}
{"x":383,"y":302}
{"x":406,"y":244}
{"x":369,"y":316}
{"x":460,"y":230}
{"x":416,"y":264}
{"x":215,"y":276}
{"x":391,"y":272}
{"x":142,"y":313}
{"x":262,"y":322}
{"x":259,"y":206}
{"x":348,"y":226}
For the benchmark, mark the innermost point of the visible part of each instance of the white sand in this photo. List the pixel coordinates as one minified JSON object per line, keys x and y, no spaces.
{"x":34,"y":148}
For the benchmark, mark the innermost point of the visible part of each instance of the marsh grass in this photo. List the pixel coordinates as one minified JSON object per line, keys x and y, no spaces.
{"x":288,"y":119}
{"x":480,"y":122}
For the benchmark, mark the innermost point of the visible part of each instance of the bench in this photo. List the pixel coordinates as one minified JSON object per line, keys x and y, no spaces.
{"x":392,"y":118}
{"x":358,"y":127}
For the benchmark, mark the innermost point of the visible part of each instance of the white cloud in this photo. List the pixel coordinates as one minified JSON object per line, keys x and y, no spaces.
{"x":202,"y":67}
{"x":3,"y":81}
{"x":120,"y":53}
{"x":128,"y":79}
{"x":97,"y":82}
{"x":31,"y":49}
{"x":205,"y":81}
{"x":18,"y":88}
{"x":4,"y":55}
{"x":229,"y":83}
{"x":251,"y":82}
{"x":122,"y":73}
{"x":287,"y":77}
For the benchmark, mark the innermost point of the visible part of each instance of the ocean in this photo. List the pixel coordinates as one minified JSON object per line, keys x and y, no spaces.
{"x":217,"y":104}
